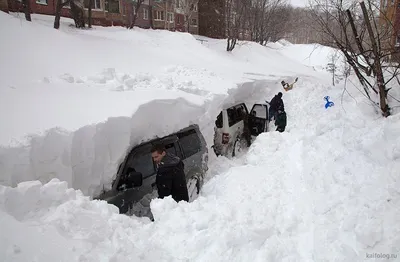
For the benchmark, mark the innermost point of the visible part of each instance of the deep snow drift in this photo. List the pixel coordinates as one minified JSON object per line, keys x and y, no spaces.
{"x":75,"y":119}
{"x":325,"y":190}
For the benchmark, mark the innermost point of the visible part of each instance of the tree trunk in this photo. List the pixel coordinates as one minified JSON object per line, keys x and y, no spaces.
{"x":27,"y":10}
{"x":359,"y":44}
{"x":151,"y":16}
{"x":58,"y":14}
{"x":231,"y":43}
{"x":137,"y":7}
{"x":377,"y":68}
{"x":77,"y":14}
{"x":90,"y":14}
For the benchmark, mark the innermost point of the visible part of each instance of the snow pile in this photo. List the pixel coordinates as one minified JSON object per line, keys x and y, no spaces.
{"x":316,"y":56}
{"x":88,"y":158}
{"x":76,"y":118}
{"x":327,"y":189}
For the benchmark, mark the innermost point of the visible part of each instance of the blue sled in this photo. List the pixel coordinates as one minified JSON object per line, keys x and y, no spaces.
{"x":328,"y":103}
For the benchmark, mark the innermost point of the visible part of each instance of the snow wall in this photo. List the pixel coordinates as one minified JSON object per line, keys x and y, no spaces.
{"x":88,"y":158}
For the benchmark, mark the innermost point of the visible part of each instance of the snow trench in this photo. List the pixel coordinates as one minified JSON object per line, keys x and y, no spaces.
{"x":88,"y":158}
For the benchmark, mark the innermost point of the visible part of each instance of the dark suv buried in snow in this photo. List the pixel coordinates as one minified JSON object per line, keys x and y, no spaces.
{"x":134,"y":186}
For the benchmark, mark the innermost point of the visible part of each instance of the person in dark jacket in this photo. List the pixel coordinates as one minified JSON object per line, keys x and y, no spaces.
{"x":170,"y":179}
{"x":275,"y":104}
{"x":280,"y":121}
{"x":246,"y":129}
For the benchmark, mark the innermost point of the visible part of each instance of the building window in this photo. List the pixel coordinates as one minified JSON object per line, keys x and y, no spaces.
{"x":178,"y":19}
{"x":178,"y":4}
{"x":95,"y":4}
{"x":159,"y":15}
{"x":193,"y":8}
{"x":145,"y":14}
{"x":193,"y":22}
{"x":41,"y":2}
{"x":170,"y":17}
{"x":112,"y":6}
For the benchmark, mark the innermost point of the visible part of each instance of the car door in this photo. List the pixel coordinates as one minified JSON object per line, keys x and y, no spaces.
{"x":190,"y":145}
{"x":258,"y":119}
{"x":140,"y":160}
{"x":236,"y":115}
{"x":193,"y":157}
{"x":171,"y":145}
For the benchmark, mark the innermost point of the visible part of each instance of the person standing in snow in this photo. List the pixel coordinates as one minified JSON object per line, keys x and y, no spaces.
{"x":246,"y":130}
{"x":280,"y":121}
{"x":275,"y":104}
{"x":170,"y":179}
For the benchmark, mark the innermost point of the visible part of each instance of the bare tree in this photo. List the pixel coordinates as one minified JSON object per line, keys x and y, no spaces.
{"x":90,"y":13}
{"x":76,"y":9}
{"x":78,"y":13}
{"x":188,"y":8}
{"x":137,"y":5}
{"x":264,"y":12}
{"x":27,"y":9}
{"x":236,"y":12}
{"x":353,"y":28}
{"x":59,"y":6}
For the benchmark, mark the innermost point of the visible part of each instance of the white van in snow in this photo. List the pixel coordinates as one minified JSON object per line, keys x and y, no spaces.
{"x":229,"y":136}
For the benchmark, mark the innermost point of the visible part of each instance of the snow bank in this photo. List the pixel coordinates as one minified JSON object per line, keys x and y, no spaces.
{"x":315,"y":56}
{"x":68,"y":69}
{"x":76,"y":117}
{"x":326,"y":188}
{"x":88,"y":158}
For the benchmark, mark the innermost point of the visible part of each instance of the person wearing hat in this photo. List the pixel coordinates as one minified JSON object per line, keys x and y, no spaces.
{"x":274,"y":105}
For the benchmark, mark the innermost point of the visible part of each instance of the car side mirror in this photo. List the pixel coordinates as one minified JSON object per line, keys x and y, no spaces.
{"x":135,"y":179}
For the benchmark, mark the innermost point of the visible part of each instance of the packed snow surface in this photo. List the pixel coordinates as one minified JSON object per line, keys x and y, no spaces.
{"x":75,"y":117}
{"x":327,"y":189}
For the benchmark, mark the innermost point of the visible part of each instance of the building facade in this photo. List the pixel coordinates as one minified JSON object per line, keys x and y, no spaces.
{"x":4,"y":5}
{"x":156,"y":14}
{"x":389,"y":20}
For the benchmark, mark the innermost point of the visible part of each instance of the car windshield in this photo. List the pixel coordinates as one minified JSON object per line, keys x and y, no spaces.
{"x":219,"y":122}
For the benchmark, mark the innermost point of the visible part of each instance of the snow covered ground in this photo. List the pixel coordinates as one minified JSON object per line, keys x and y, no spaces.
{"x":76,"y":116}
{"x":325,"y":190}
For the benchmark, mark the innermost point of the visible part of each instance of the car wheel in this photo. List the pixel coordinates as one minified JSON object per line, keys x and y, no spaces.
{"x":238,"y":146}
{"x":193,"y":188}
{"x":215,"y":151}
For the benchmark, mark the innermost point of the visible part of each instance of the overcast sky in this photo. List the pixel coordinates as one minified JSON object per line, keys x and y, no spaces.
{"x":299,"y":3}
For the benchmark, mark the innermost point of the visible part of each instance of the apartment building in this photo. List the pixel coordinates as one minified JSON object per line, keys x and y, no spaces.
{"x":389,"y":21}
{"x":157,"y":14}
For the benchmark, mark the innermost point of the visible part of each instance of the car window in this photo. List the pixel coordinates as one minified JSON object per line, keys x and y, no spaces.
{"x":219,"y":122}
{"x":170,"y":148}
{"x":236,"y":114}
{"x":190,"y":143}
{"x":244,"y":108}
{"x":141,"y":161}
{"x":259,"y":111}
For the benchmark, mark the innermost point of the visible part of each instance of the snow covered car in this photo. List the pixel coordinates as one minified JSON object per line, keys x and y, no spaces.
{"x":229,"y":127}
{"x":138,"y":168}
